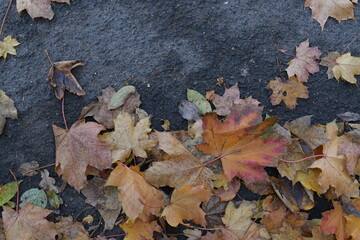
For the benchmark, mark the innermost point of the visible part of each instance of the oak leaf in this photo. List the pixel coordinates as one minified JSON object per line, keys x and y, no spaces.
{"x":136,"y":194}
{"x":8,"y":46}
{"x":140,"y":230}
{"x":7,"y":109}
{"x":29,"y":223}
{"x":38,"y":8}
{"x":323,"y":9}
{"x":180,"y":168}
{"x":61,"y":78}
{"x":333,"y":169}
{"x":184,"y":205}
{"x":242,"y":143}
{"x":79,"y":148}
{"x":129,"y":138}
{"x":333,"y":221}
{"x":342,"y":66}
{"x":288,"y":91}
{"x":304,"y":62}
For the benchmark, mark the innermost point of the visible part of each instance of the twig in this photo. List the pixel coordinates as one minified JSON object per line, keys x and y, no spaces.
{"x":283,"y":51}
{"x":5,"y":16}
{"x":35,"y":169}
{"x":357,"y":37}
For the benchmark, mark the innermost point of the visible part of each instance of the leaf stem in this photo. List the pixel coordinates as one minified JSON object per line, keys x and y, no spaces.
{"x":63,"y":111}
{"x":5,"y":16}
{"x":164,"y":205}
{"x":283,"y":51}
{"x":35,"y":169}
{"x":303,"y":159}
{"x":17,"y":193}
{"x":218,"y":158}
{"x":49,"y":58}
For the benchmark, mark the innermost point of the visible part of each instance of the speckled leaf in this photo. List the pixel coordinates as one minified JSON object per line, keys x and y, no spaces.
{"x":34,"y":196}
{"x":200,"y":101}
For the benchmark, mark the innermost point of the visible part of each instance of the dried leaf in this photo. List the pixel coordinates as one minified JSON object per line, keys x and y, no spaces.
{"x":140,"y":229}
{"x":79,"y":148}
{"x":288,"y":91}
{"x":7,"y":46}
{"x":47,"y":182}
{"x":129,"y":138}
{"x":349,"y":116}
{"x":333,"y":221}
{"x":184,"y":205}
{"x":28,"y":168}
{"x":309,"y":179}
{"x":214,"y":210}
{"x":38,"y":8}
{"x":230,"y":192}
{"x":189,"y":111}
{"x":61,"y":78}
{"x":119,"y":98}
{"x":69,"y":230}
{"x":200,"y":101}
{"x":351,"y":149}
{"x":7,"y":109}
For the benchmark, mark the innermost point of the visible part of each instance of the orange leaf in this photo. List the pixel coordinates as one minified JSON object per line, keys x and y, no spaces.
{"x":140,"y":229}
{"x":242,"y":143}
{"x":184,"y":205}
{"x":136,"y":194}
{"x":333,"y":221}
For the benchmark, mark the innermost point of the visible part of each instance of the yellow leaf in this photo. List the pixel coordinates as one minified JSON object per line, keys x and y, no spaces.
{"x":140,"y":229}
{"x":309,"y":179}
{"x":185,"y":205}
{"x":7,"y":46}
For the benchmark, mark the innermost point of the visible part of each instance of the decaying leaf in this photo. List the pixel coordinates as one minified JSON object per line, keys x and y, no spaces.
{"x":342,"y":66}
{"x":333,"y":221}
{"x":180,"y":168}
{"x":129,"y":138}
{"x":288,"y":91}
{"x":184,"y":205}
{"x":304,"y":62}
{"x":7,"y":109}
{"x":67,"y":229}
{"x":38,"y":8}
{"x":200,"y":101}
{"x":274,"y":213}
{"x":242,"y":142}
{"x":7,"y":46}
{"x":62,"y":79}
{"x":351,"y":149}
{"x":35,"y":197}
{"x":323,"y":9}
{"x":29,"y":223}
{"x":349,"y":116}
{"x":79,"y":148}
{"x":214,"y":209}
{"x":189,"y":110}
{"x":228,"y":193}
{"x":28,"y":168}
{"x":136,"y":194}
{"x":47,"y":182}
{"x":105,"y":199}
{"x":140,"y":229}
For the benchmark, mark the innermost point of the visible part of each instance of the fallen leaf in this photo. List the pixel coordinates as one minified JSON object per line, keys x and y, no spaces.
{"x":28,"y":168}
{"x":47,"y":182}
{"x":29,"y":223}
{"x":54,"y":200}
{"x":136,"y":194}
{"x":8,"y":191}
{"x":333,"y":169}
{"x":287,"y":232}
{"x":79,"y":148}
{"x":189,"y":111}
{"x":193,"y":234}
{"x":312,"y":135}
{"x":200,"y":101}
{"x":67,"y":229}
{"x":35,"y":197}
{"x":242,"y":143}
{"x":228,"y":194}
{"x":62,"y":79}
{"x":180,"y":168}
{"x":352,"y":227}
{"x":333,"y":221}
{"x":214,"y":210}
{"x":274,"y":214}
{"x":7,"y":109}
{"x":288,"y":91}
{"x":38,"y":8}
{"x":120,"y":97}
{"x":140,"y":229}
{"x":304,"y":62}
{"x":88,"y":219}
{"x":351,"y":149}
{"x":317,"y":234}
{"x":104,"y":199}
{"x":184,"y":205}
{"x":349,"y":116}
{"x":129,"y":138}
{"x":7,"y":46}
{"x":166,"y":125}
{"x":309,"y":179}
{"x":210,"y":95}
{"x":323,"y":9}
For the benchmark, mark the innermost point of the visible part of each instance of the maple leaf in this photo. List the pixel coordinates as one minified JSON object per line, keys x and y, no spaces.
{"x":333,"y":221}
{"x":351,"y":149}
{"x":140,"y":229}
{"x":7,"y":46}
{"x":317,"y":234}
{"x":287,"y":91}
{"x":38,"y":8}
{"x":241,"y":143}
{"x":7,"y":109}
{"x":214,"y":210}
{"x":342,"y":66}
{"x":333,"y":169}
{"x":29,"y":223}
{"x":287,"y":232}
{"x":304,"y":62}
{"x":184,"y":205}
{"x":228,"y":193}
{"x":323,"y":9}
{"x":128,"y":137}
{"x":181,"y":167}
{"x":68,"y":230}
{"x":136,"y":194}
{"x":61,"y":78}
{"x":352,"y":227}
{"x":79,"y":148}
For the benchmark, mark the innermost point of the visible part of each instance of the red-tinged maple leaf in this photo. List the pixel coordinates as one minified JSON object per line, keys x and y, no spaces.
{"x":304,"y":62}
{"x":333,"y":221}
{"x":242,"y":143}
{"x":79,"y":148}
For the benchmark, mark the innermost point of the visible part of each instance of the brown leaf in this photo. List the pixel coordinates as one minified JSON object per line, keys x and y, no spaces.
{"x":288,"y":91}
{"x":274,"y":214}
{"x":47,"y":182}
{"x":140,"y":230}
{"x":287,"y":232}
{"x":184,"y":205}
{"x":351,"y":149}
{"x":29,"y":223}
{"x":28,"y":168}
{"x":61,"y":78}
{"x":136,"y":194}
{"x":7,"y":109}
{"x":38,"y":8}
{"x":214,"y":210}
{"x":304,"y":62}
{"x":79,"y":148}
{"x":230,"y":192}
{"x":180,"y":168}
{"x":105,"y":199}
{"x":129,"y":138}
{"x":69,"y":230}
{"x":333,"y":221}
